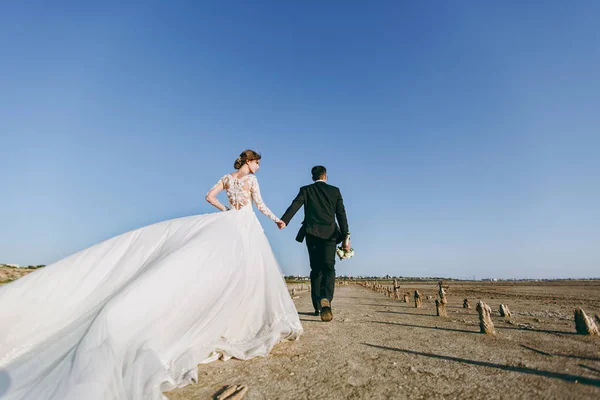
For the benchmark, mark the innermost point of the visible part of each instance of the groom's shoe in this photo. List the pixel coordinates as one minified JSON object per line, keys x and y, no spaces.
{"x":326,"y":314}
{"x":317,"y":313}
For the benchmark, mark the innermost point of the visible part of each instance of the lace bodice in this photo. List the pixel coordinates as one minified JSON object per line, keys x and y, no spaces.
{"x":242,"y":191}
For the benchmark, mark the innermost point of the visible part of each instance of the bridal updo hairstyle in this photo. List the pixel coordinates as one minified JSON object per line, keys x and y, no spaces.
{"x":245,"y":156}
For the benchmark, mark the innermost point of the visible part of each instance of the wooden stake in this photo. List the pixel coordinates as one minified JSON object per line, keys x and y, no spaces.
{"x":229,"y":390}
{"x":396,"y":290}
{"x":240,"y":393}
{"x":485,"y":318}
{"x":504,"y":311}
{"x":418,"y":300}
{"x":440,"y":308}
{"x":584,"y":324}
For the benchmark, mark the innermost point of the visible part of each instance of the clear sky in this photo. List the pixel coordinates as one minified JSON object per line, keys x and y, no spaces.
{"x":465,"y":137}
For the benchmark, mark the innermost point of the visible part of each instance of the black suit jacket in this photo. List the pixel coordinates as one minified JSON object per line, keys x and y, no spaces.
{"x":322,"y":203}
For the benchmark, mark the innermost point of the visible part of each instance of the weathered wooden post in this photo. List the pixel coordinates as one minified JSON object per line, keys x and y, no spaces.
{"x":229,"y":390}
{"x":239,"y":395}
{"x":485,"y":318}
{"x":504,"y":311}
{"x":396,"y":290}
{"x":440,"y":308}
{"x":466,"y":303}
{"x":584,"y":324}
{"x":442,"y":292}
{"x":418,"y":300}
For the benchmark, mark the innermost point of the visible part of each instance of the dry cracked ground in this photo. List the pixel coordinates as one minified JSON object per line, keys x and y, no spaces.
{"x":380,"y":348}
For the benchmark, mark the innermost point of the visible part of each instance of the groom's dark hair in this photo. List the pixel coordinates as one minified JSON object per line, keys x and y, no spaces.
{"x":318,"y":172}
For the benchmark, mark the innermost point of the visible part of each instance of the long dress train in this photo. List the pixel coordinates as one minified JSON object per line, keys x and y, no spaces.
{"x":133,"y":316}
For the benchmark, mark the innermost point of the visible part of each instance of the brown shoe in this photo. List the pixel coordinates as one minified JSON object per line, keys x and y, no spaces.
{"x":326,"y":314}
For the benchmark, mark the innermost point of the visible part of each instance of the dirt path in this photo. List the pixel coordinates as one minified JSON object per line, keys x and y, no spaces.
{"x":380,"y":348}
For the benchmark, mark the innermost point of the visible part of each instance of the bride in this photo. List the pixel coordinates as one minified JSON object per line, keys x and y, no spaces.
{"x":133,"y":316}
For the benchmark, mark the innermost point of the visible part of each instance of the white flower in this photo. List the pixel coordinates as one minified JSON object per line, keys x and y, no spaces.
{"x":344,"y":254}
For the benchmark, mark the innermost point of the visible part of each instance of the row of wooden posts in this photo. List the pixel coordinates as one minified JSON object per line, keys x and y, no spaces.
{"x":303,"y":287}
{"x":584,"y":325}
{"x":298,"y":287}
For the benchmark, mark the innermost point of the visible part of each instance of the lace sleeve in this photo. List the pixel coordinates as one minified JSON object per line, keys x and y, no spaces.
{"x":211,"y":196}
{"x":220,"y":185}
{"x":256,"y":197}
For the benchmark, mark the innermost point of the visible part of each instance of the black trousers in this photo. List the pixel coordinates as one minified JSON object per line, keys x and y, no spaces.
{"x":321,"y":253}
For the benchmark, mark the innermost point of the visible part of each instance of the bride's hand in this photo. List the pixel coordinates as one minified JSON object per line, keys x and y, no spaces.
{"x":280,"y":224}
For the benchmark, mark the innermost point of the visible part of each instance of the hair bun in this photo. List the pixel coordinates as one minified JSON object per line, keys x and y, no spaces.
{"x":238,"y":163}
{"x":246,"y":156}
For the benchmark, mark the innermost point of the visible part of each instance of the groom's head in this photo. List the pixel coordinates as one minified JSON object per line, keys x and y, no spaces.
{"x":319,"y":172}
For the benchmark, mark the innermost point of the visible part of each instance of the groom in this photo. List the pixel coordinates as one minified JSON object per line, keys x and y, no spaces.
{"x":322,"y":204}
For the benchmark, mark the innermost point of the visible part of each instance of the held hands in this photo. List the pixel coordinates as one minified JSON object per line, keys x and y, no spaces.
{"x":280,"y":224}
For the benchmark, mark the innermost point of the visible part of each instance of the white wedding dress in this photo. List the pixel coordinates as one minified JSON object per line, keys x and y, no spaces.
{"x":133,"y":316}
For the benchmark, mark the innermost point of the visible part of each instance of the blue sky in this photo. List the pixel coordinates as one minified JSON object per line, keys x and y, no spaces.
{"x":464,"y":136}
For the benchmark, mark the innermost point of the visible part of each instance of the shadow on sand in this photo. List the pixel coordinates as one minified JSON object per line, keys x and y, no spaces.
{"x":548,"y":374}
{"x":597,"y":371}
{"x":425,"y":327}
{"x":407,"y":313}
{"x":317,"y":319}
{"x":461,"y":330}
{"x":543,"y":353}
{"x":401,"y":305}
{"x":412,"y":306}
{"x":536,"y":330}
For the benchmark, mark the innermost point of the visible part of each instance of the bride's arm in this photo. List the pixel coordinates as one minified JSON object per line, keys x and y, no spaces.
{"x":256,"y":197}
{"x":211,"y":196}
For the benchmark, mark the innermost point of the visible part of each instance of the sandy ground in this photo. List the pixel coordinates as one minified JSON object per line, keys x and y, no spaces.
{"x":9,"y":274}
{"x":380,"y":348}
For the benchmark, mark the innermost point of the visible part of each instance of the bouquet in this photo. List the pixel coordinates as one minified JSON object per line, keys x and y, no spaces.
{"x":342,"y":253}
